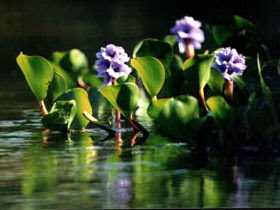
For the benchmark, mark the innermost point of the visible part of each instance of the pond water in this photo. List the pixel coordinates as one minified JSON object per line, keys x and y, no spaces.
{"x":45,"y":170}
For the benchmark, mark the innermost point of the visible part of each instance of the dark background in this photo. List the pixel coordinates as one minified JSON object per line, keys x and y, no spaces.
{"x":41,"y":27}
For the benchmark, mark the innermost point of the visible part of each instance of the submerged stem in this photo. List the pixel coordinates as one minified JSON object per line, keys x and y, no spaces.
{"x":43,"y":108}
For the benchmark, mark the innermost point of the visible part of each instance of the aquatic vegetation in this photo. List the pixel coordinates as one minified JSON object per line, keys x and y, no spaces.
{"x":190,"y":97}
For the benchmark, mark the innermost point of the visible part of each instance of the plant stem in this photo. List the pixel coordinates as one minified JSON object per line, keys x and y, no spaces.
{"x":43,"y":108}
{"x":202,"y":99}
{"x":132,"y":123}
{"x":97,"y":123}
{"x":229,"y":89}
{"x":118,"y":116}
{"x":189,"y":49}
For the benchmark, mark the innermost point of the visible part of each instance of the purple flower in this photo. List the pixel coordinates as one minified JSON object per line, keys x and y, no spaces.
{"x":229,"y":62}
{"x":110,"y":63}
{"x":188,"y":29}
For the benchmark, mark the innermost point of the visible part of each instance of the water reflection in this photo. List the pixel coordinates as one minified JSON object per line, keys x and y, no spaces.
{"x":85,"y":170}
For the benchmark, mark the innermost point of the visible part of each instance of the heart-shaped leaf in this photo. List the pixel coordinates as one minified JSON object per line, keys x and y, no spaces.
{"x":221,"y":111}
{"x":155,"y":107}
{"x":61,"y":115}
{"x":83,"y":104}
{"x":152,"y":73}
{"x":123,"y":97}
{"x":179,"y":117}
{"x":57,"y":87}
{"x":197,"y":71}
{"x":155,"y":48}
{"x":216,"y":82}
{"x":38,"y":73}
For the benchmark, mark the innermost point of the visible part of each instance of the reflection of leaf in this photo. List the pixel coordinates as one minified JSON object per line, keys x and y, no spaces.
{"x":123,"y":97}
{"x":61,"y":115}
{"x":83,"y":104}
{"x":152,"y":73}
{"x":38,"y":73}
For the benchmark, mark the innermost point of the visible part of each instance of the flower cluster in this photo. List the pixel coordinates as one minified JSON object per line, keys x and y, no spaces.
{"x":188,"y":29}
{"x":110,"y":63}
{"x":229,"y":62}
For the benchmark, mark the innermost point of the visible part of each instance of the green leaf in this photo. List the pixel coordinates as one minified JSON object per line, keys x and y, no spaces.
{"x":61,"y":115}
{"x":155,"y":48}
{"x":197,"y":71}
{"x":38,"y":73}
{"x":90,"y":79}
{"x":179,"y":117}
{"x":241,"y":23}
{"x":216,"y":82}
{"x":266,"y":90}
{"x":170,"y":39}
{"x":57,"y":87}
{"x":71,"y":65}
{"x":123,"y":97}
{"x":221,"y":111}
{"x":230,"y":29}
{"x":70,"y":81}
{"x":83,"y":104}
{"x":126,"y":78}
{"x":155,"y":107}
{"x":152,"y":73}
{"x":222,"y":33}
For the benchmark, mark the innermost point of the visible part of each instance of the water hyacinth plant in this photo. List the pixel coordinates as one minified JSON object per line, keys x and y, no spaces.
{"x":110,"y":63}
{"x":229,"y":63}
{"x":190,"y":98}
{"x":188,"y":34}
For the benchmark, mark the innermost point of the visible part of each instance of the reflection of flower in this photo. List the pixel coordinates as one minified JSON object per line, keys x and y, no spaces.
{"x":110,"y":63}
{"x":229,"y":62}
{"x":188,"y":29}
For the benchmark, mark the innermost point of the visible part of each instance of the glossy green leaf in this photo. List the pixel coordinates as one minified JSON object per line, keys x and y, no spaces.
{"x":83,"y":104}
{"x":155,"y":107}
{"x":123,"y":97}
{"x":91,"y":79}
{"x":38,"y":73}
{"x":57,"y":87}
{"x":61,"y":115}
{"x":221,"y":111}
{"x":70,"y":81}
{"x":179,"y":117}
{"x":258,"y":110}
{"x":240,"y":23}
{"x":155,"y":48}
{"x":152,"y":73}
{"x":230,"y":29}
{"x":197,"y":71}
{"x":216,"y":82}
{"x":126,"y":78}
{"x":170,"y":39}
{"x":266,"y":90}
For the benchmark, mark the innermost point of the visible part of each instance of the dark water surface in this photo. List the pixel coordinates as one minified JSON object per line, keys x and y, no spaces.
{"x":45,"y":170}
